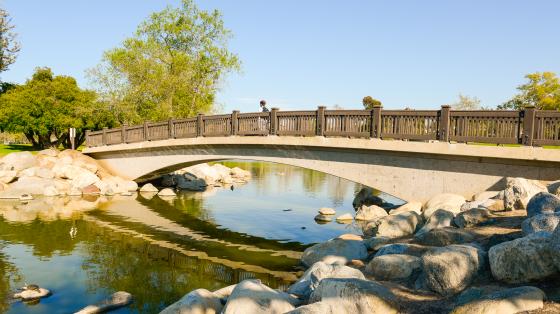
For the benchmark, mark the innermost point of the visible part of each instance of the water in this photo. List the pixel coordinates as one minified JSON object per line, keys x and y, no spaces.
{"x":159,"y":249}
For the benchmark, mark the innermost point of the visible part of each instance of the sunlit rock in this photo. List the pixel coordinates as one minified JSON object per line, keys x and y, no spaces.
{"x":440,"y":218}
{"x":370,"y":213}
{"x":447,"y":201}
{"x":395,"y":226}
{"x":18,"y":161}
{"x":408,"y":207}
{"x":472,"y":217}
{"x":348,"y":249}
{"x":147,"y":188}
{"x":519,"y":191}
{"x":344,"y":218}
{"x":393,"y":266}
{"x":251,"y":296}
{"x":327,"y":211}
{"x":514,"y":300}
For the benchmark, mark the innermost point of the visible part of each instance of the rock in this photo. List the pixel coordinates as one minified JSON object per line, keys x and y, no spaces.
{"x":444,"y":236}
{"x":375,"y":243}
{"x":542,"y":222}
{"x":18,"y":161}
{"x":129,"y":185}
{"x":402,"y":248}
{"x":166,"y":192}
{"x":543,"y":202}
{"x":332,"y":306}
{"x":350,"y":236}
{"x":326,"y":211}
{"x":347,"y":249}
{"x":199,"y":301}
{"x":396,"y":226}
{"x":50,"y":191}
{"x":490,"y":204}
{"x":32,"y":294}
{"x":485,"y":195}
{"x":239,"y":173}
{"x":205,"y":172}
{"x":29,"y":172}
{"x":448,"y":270}
{"x":522,"y":260}
{"x":323,"y":218}
{"x":251,"y":296}
{"x":51,"y":152}
{"x":74,"y":192}
{"x":356,"y":295}
{"x":472,"y":217}
{"x":370,"y":213}
{"x":519,"y":191}
{"x":554,"y":247}
{"x":440,"y":218}
{"x":393,"y":266}
{"x":190,"y":182}
{"x":408,"y":207}
{"x":148,"y":187}
{"x":345,"y":218}
{"x":44,"y":173}
{"x":31,"y":185}
{"x":84,"y":179}
{"x":116,"y":300}
{"x":8,"y":176}
{"x":450,"y":202}
{"x":514,"y":300}
{"x":554,"y":188}
{"x":319,"y":271}
{"x":366,"y":196}
{"x":91,"y":189}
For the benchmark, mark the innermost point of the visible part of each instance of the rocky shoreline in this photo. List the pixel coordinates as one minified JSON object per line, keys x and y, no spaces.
{"x":498,"y":252}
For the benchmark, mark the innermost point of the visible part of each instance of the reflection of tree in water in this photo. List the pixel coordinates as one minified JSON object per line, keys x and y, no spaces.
{"x":191,"y":203}
{"x":337,"y":189}
{"x":9,"y":275}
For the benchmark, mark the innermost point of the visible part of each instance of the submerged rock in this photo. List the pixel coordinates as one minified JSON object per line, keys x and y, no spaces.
{"x":115,"y":301}
{"x":344,"y":218}
{"x":32,"y":292}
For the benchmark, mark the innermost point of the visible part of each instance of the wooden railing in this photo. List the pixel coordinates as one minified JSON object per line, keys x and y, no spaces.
{"x":529,"y":127}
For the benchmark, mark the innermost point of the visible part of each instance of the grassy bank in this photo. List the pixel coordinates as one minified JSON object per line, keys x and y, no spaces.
{"x":12,"y":148}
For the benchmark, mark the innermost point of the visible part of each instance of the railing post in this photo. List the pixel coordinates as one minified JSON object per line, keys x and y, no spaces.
{"x":123,"y":134}
{"x":273,"y":121}
{"x":234,"y":122}
{"x":146,"y":137}
{"x":376,"y":121}
{"x":199,"y":125}
{"x":171,"y":128}
{"x":88,"y":140}
{"x":104,"y":136}
{"x":529,"y":114}
{"x":443,"y":132}
{"x":321,"y":121}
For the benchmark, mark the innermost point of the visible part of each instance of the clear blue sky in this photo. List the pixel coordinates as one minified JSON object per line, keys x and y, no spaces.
{"x":299,"y":54}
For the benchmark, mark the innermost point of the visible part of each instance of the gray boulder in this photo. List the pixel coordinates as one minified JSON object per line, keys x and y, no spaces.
{"x":449,"y":270}
{"x":441,"y":218}
{"x":331,"y":306}
{"x":514,"y":300}
{"x":375,"y":243}
{"x":319,"y":271}
{"x":554,"y":188}
{"x":554,"y":247}
{"x":395,"y":226}
{"x":519,"y":191}
{"x":541,"y":203}
{"x":251,"y":296}
{"x":393,"y":266}
{"x":402,"y":248}
{"x":444,"y":237}
{"x":198,"y":301}
{"x":370,"y":213}
{"x":337,"y":248}
{"x":408,"y":207}
{"x":472,"y":217}
{"x":356,"y":295}
{"x":450,"y":202}
{"x":522,"y":260}
{"x":542,"y":222}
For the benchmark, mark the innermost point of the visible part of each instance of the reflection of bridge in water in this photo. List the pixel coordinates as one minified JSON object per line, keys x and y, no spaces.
{"x":358,"y":145}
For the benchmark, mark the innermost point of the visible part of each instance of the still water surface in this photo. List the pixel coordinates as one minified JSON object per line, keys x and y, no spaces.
{"x":159,"y":249}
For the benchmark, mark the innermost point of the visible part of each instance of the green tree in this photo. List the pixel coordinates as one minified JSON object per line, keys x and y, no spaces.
{"x":171,"y":67}
{"x":466,"y":103}
{"x":9,"y":46}
{"x":542,"y":91}
{"x":46,"y":106}
{"x":370,"y":102}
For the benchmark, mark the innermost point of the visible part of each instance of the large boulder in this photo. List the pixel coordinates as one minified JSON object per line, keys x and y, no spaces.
{"x":251,"y":296}
{"x":240,"y":174}
{"x":402,"y":248}
{"x":205,"y":172}
{"x":440,"y":218}
{"x":449,"y":270}
{"x":450,"y":202}
{"x":189,"y":182}
{"x":514,"y":300}
{"x":554,"y":188}
{"x":84,"y":179}
{"x":339,"y":249}
{"x":7,"y":176}
{"x":370,"y":213}
{"x":542,"y":222}
{"x":554,"y":247}
{"x":519,"y":191}
{"x":395,"y":226}
{"x":366,"y":196}
{"x":522,"y":260}
{"x":356,"y":295}
{"x":541,"y":203}
{"x":408,"y":207}
{"x":472,"y":217}
{"x":199,"y":301}
{"x":481,"y":196}
{"x":444,"y":237}
{"x":31,"y":185}
{"x":319,"y":271}
{"x":393,"y":266}
{"x":331,"y":306}
{"x":18,"y":161}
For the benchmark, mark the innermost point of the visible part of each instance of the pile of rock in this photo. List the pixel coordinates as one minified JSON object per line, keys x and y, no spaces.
{"x":470,"y":255}
{"x":53,"y":173}
{"x":201,"y":176}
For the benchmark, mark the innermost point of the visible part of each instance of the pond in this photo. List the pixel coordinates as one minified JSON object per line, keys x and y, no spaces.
{"x":158,"y":249}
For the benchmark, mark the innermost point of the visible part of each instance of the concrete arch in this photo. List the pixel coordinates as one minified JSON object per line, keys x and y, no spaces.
{"x":408,"y":170}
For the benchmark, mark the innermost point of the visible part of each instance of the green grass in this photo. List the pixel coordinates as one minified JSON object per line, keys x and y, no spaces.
{"x":12,"y":148}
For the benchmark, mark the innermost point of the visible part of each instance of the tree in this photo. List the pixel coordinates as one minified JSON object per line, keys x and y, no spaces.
{"x":370,"y":102}
{"x":171,"y":67}
{"x":9,"y":47}
{"x":467,"y":103}
{"x":46,"y":106}
{"x":541,"y":91}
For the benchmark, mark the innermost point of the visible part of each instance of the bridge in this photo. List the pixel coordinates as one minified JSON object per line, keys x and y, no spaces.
{"x":411,"y":154}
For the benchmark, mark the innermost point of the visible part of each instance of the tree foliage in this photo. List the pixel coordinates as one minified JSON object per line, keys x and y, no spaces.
{"x":541,"y":91}
{"x":467,"y":103}
{"x":9,"y":46}
{"x":46,"y":106}
{"x":171,"y":67}
{"x":370,"y":102}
